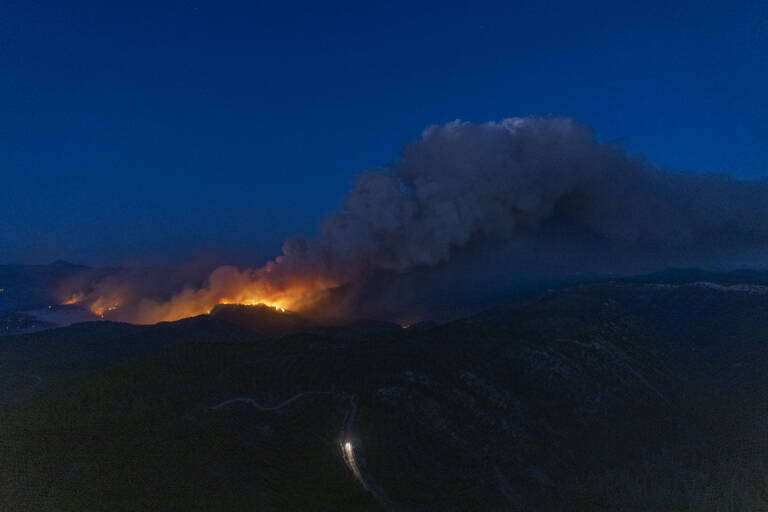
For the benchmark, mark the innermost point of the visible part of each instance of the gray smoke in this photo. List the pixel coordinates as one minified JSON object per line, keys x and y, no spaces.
{"x":463,"y":184}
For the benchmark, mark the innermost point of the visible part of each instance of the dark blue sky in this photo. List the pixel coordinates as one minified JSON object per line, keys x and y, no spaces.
{"x":132,"y":133}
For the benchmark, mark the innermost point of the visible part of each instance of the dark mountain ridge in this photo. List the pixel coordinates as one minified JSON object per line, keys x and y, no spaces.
{"x":570,"y":400}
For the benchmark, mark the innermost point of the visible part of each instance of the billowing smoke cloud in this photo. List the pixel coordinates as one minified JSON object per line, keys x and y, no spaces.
{"x":464,"y":182}
{"x":524,"y":196}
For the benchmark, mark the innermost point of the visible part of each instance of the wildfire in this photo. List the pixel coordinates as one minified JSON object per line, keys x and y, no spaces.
{"x":74,"y":299}
{"x":274,"y":305}
{"x":99,"y":310}
{"x":98,"y":307}
{"x":119,"y":299}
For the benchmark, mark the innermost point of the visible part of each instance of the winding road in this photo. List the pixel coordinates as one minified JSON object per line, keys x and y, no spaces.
{"x":347,"y":436}
{"x":257,"y":405}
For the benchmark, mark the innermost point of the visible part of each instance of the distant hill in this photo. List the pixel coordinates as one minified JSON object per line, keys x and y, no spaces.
{"x":692,"y":275}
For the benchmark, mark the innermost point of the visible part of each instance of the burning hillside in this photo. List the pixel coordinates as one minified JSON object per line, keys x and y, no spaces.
{"x":225,"y":285}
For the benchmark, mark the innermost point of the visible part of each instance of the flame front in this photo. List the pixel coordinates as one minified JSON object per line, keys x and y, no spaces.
{"x":255,"y":302}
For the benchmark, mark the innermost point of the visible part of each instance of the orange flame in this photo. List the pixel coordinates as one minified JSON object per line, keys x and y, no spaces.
{"x":274,"y":285}
{"x":75,"y":298}
{"x":274,"y":305}
{"x":100,"y":307}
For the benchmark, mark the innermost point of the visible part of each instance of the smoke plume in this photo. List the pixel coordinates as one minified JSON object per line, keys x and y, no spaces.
{"x":483,"y":204}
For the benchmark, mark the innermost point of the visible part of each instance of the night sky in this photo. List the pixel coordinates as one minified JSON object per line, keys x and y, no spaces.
{"x":142,"y":133}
